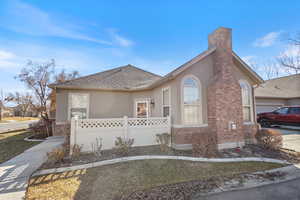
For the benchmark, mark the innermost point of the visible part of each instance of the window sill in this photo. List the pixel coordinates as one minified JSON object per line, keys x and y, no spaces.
{"x":189,"y":126}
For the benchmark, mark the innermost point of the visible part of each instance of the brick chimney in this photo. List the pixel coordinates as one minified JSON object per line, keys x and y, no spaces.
{"x":225,"y":115}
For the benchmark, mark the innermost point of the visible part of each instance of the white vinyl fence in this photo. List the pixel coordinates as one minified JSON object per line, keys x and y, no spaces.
{"x":84,"y":132}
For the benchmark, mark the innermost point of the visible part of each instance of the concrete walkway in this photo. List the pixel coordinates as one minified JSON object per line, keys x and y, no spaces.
{"x":291,"y":138}
{"x":15,"y":173}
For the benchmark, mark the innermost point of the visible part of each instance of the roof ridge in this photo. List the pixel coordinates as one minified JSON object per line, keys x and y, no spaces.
{"x":89,"y":75}
{"x":130,"y":65}
{"x":282,"y":77}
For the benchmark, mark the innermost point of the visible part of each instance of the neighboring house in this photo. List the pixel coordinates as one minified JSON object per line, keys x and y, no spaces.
{"x":274,"y":93}
{"x":30,"y":111}
{"x":7,"y":111}
{"x":213,"y":92}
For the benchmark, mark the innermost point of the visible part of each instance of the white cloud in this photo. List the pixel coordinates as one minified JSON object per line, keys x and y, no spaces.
{"x":120,"y":40}
{"x":27,"y":19}
{"x":7,"y":59}
{"x":267,"y":40}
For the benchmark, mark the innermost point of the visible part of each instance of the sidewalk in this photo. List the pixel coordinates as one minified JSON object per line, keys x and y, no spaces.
{"x":15,"y":173}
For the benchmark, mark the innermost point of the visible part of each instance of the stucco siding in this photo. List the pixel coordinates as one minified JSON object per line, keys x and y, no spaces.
{"x":61,"y":106}
{"x":203,"y":70}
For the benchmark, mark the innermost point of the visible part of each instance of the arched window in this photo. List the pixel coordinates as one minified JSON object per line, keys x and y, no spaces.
{"x":191,"y":95}
{"x":246,"y":100}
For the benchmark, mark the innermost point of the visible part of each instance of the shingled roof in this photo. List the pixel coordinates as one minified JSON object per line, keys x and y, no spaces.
{"x":127,"y":77}
{"x":131,"y":78}
{"x":283,"y":87}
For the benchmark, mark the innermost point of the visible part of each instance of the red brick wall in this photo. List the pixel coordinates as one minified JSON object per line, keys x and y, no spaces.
{"x":224,"y":99}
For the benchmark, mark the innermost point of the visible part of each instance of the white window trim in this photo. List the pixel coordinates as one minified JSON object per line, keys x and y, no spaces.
{"x":182,"y":100}
{"x":144,"y":100}
{"x":251,"y":102}
{"x":162,"y":100}
{"x":69,"y":104}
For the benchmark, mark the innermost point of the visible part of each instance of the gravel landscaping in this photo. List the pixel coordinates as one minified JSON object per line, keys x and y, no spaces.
{"x":148,"y":179}
{"x":247,"y":151}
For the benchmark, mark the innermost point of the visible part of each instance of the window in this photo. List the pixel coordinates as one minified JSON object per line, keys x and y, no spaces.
{"x":246,"y":101}
{"x":142,"y":108}
{"x":166,"y":102}
{"x":191,"y":101}
{"x":282,"y":111}
{"x":78,"y":105}
{"x":295,"y":111}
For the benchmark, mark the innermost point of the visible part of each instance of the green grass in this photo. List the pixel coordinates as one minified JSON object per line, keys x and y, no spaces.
{"x":12,"y":144}
{"x":112,"y":181}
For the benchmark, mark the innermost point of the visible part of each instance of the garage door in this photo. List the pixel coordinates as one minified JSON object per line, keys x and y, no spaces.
{"x":266,"y":108}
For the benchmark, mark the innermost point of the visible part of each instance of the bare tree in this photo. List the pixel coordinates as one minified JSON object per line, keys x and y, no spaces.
{"x":3,"y":100}
{"x":23,"y":101}
{"x":267,"y":69}
{"x":290,"y":60}
{"x":37,"y":77}
{"x":64,"y":76}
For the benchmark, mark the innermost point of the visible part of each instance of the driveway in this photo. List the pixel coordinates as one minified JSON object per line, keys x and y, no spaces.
{"x":289,"y":190}
{"x":291,"y":138}
{"x":11,"y":126}
{"x":15,"y":173}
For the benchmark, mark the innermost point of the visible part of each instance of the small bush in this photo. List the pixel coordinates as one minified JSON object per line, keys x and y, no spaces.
{"x":204,"y":145}
{"x":76,"y":151}
{"x":97,"y":147}
{"x":269,"y":138}
{"x":163,"y":140}
{"x":39,"y":129}
{"x":56,"y":156}
{"x":123,"y":146}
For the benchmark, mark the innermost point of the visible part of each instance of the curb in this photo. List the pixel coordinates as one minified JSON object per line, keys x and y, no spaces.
{"x":151,"y":157}
{"x":287,"y":169}
{"x":33,"y":140}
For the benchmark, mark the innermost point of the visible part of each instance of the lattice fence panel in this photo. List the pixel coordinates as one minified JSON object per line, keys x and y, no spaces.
{"x":101,"y":123}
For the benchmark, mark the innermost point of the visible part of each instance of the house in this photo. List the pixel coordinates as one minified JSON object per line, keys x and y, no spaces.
{"x":213,"y":92}
{"x":274,"y":93}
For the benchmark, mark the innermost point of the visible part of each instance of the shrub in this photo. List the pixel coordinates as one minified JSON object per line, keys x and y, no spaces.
{"x":39,"y":129}
{"x":76,"y":151}
{"x":204,"y":144}
{"x":56,"y":155}
{"x":163,"y":140}
{"x":123,"y":145}
{"x":97,"y":147}
{"x":269,"y":138}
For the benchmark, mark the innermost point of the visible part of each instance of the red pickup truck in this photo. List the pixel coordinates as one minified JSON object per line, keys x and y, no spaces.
{"x":287,"y":115}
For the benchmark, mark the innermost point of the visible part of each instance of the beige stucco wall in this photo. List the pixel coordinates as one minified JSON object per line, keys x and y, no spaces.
{"x":108,"y":104}
{"x":102,"y":104}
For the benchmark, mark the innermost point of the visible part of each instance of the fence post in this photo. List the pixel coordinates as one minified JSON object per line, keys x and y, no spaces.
{"x":74,"y":122}
{"x":170,"y":129}
{"x":125,"y":118}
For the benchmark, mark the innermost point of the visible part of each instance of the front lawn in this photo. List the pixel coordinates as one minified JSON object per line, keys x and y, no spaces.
{"x":122,"y":181}
{"x":12,"y":144}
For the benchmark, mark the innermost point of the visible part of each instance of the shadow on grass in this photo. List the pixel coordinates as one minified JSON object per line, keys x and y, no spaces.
{"x":12,"y":144}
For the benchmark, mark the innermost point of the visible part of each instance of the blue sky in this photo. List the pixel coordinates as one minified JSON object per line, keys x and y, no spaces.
{"x":91,"y":36}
